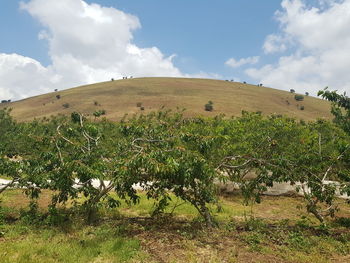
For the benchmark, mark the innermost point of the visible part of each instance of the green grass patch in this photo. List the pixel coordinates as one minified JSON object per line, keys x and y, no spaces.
{"x":90,"y":244}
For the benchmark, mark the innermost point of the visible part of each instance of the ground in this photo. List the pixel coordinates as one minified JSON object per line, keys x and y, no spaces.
{"x":121,"y":97}
{"x":277,"y":230}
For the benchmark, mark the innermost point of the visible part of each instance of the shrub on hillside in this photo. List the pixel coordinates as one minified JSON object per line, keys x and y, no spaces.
{"x":292,"y":91}
{"x":58,"y":96}
{"x":99,"y":113}
{"x":66,"y":105}
{"x":209,"y":106}
{"x":299,"y":97}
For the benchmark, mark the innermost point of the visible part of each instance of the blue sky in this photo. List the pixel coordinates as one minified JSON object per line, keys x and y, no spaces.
{"x":47,"y":44}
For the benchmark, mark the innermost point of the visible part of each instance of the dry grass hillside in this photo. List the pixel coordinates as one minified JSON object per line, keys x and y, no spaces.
{"x":121,"y":96}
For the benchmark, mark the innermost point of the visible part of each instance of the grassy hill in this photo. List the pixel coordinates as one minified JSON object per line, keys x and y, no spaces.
{"x":121,"y":96}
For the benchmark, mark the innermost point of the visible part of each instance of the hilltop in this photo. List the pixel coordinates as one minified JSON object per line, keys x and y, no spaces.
{"x":121,"y":96}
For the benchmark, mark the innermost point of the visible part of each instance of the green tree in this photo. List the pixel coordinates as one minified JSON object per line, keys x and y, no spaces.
{"x":340,"y":107}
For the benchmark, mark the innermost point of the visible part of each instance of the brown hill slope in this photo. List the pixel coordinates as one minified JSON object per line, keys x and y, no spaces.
{"x":121,"y":96}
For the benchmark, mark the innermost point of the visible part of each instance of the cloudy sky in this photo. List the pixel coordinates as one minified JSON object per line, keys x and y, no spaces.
{"x":49,"y":44}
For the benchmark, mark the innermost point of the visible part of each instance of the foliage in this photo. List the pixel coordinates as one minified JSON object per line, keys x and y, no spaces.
{"x":317,"y":153}
{"x":299,"y":97}
{"x":83,"y":161}
{"x":99,"y":113}
{"x":209,"y":106}
{"x":340,"y":107}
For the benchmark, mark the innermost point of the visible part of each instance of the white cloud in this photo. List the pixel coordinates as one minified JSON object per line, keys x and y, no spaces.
{"x":318,"y":40}
{"x":233,"y":63}
{"x":87,"y":43}
{"x":21,"y":75}
{"x":274,"y":43}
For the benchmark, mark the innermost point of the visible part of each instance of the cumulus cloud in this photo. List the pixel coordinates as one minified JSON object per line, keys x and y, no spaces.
{"x":274,"y":43}
{"x":316,"y":41}
{"x":21,"y":75}
{"x":233,"y":63}
{"x":87,"y":43}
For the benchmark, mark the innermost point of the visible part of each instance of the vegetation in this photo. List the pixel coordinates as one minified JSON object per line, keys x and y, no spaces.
{"x":340,"y":107}
{"x":164,"y":152}
{"x":76,"y":171}
{"x":299,"y":97}
{"x":209,"y":106}
{"x":99,"y":113}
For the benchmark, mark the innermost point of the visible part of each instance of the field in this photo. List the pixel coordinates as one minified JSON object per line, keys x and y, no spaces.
{"x":58,"y":213}
{"x":276,"y":230}
{"x":121,"y":96}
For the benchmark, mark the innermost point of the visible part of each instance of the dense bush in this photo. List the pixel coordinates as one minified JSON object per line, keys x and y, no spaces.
{"x":209,"y":106}
{"x":299,"y":97}
{"x":164,"y":152}
{"x":340,"y":107}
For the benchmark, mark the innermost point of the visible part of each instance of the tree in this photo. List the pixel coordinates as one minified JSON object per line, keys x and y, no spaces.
{"x":312,"y":160}
{"x":209,"y":106}
{"x":299,"y":97}
{"x":75,"y":162}
{"x":161,"y":160}
{"x":340,"y":107}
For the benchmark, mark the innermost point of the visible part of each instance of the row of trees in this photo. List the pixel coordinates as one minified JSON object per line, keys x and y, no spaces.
{"x":166,"y":153}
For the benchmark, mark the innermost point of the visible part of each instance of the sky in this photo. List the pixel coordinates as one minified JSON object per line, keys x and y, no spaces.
{"x":284,"y":44}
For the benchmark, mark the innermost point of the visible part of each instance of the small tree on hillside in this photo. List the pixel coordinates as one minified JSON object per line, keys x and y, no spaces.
{"x":298,"y":97}
{"x":209,"y":106}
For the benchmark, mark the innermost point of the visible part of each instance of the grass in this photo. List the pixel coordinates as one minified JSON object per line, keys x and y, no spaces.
{"x":90,"y":244}
{"x":276,"y":230}
{"x":121,"y":97}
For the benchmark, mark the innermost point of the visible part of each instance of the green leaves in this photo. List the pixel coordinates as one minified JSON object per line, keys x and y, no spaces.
{"x":162,"y":152}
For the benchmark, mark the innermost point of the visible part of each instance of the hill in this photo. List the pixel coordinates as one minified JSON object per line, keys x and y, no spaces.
{"x":121,"y":96}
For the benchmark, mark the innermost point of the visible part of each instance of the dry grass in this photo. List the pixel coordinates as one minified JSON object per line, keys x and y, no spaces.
{"x":120,"y":97}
